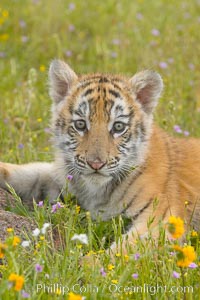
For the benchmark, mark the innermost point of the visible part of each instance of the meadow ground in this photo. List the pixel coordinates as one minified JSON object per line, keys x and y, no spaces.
{"x":109,"y":36}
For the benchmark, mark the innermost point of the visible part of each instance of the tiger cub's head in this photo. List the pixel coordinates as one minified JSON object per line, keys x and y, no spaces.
{"x":102,"y":123}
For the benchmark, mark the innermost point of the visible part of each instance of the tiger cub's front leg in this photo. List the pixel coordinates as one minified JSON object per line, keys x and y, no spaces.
{"x":31,"y":181}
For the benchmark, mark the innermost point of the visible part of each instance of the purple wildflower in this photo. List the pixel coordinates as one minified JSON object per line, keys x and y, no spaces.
{"x":175,"y":274}
{"x":71,"y":6}
{"x":170,"y":60}
{"x":47,"y":130}
{"x":36,"y":1}
{"x":139,"y":16}
{"x":38,"y":268}
{"x":2,"y":54}
{"x":163,"y":65}
{"x":69,"y":177}
{"x":172,"y":253}
{"x":187,"y":15}
{"x":24,"y":39}
{"x":135,"y":275}
{"x":68,"y":53}
{"x":102,"y":272}
{"x":20,"y":146}
{"x":25,"y":295}
{"x":40,"y":204}
{"x":186,"y":133}
{"x":137,"y":256}
{"x":22,"y":23}
{"x":191,"y":66}
{"x":177,"y":129}
{"x":192,"y":265}
{"x":155,"y":32}
{"x":113,"y":54}
{"x":153,"y":43}
{"x":71,"y":28}
{"x":115,"y":41}
{"x":56,"y":206}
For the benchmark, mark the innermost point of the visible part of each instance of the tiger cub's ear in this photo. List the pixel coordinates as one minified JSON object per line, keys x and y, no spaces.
{"x":147,"y":87}
{"x":61,"y":77}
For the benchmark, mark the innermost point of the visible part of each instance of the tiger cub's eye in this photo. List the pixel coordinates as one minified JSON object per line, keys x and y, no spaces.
{"x":118,"y":127}
{"x":80,"y":125}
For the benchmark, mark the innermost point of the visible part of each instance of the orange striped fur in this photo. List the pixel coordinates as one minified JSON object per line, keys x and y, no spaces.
{"x":120,"y":160}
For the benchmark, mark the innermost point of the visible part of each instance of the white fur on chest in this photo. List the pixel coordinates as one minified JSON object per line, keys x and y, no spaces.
{"x":93,"y":192}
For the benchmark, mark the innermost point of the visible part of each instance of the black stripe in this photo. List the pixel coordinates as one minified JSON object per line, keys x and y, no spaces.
{"x":129,"y":204}
{"x":82,"y":107}
{"x":60,"y":123}
{"x":88,"y":92}
{"x":103,"y":79}
{"x":78,"y":112}
{"x":119,"y":108}
{"x":165,"y":213}
{"x":142,"y":209}
{"x":115,"y":93}
{"x":127,"y":137}
{"x":71,"y":131}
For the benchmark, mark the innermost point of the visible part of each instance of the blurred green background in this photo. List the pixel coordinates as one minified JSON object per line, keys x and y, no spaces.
{"x":105,"y":36}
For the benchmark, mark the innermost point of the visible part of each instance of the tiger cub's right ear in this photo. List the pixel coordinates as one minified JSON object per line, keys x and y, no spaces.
{"x":61,"y":77}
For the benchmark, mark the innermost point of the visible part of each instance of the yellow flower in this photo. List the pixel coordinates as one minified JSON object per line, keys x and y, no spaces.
{"x":46,"y":148}
{"x":101,"y":251}
{"x":87,"y":214}
{"x":194,"y":233}
{"x":186,"y":203}
{"x":78,"y":208}
{"x":42,"y":238}
{"x":1,"y":21}
{"x":2,"y":250}
{"x":3,"y":267}
{"x":73,"y":296}
{"x":176,"y":227}
{"x":16,"y":241}
{"x":5,"y":13}
{"x":42,"y":68}
{"x":177,"y":247}
{"x":17,"y":280}
{"x":110,"y":267}
{"x":58,"y":291}
{"x":10,"y":229}
{"x":4,"y":37}
{"x":186,"y":255}
{"x":37,"y":246}
{"x":117,"y":254}
{"x":91,"y":252}
{"x":126,"y":258}
{"x":114,"y":281}
{"x":79,"y":246}
{"x":39,"y":120}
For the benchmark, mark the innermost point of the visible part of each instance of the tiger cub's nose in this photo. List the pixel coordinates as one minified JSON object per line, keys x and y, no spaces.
{"x":96,"y":164}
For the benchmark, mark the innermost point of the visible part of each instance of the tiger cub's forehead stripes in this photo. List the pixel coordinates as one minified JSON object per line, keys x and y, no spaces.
{"x":102,"y":97}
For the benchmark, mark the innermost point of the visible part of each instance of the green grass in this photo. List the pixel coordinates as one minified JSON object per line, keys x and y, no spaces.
{"x":104,"y":36}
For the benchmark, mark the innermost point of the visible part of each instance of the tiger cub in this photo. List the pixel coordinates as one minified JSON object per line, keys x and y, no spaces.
{"x":105,"y":137}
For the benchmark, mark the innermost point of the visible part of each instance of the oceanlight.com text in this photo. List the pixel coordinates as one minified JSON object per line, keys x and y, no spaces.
{"x":112,"y":288}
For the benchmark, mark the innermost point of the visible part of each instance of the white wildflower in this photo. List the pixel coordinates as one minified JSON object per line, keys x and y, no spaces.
{"x":25,"y":244}
{"x":36,"y":232}
{"x":81,"y":238}
{"x":44,"y":228}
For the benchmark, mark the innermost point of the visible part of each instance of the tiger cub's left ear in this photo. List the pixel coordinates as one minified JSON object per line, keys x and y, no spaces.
{"x":147,"y":87}
{"x":61,"y":78}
